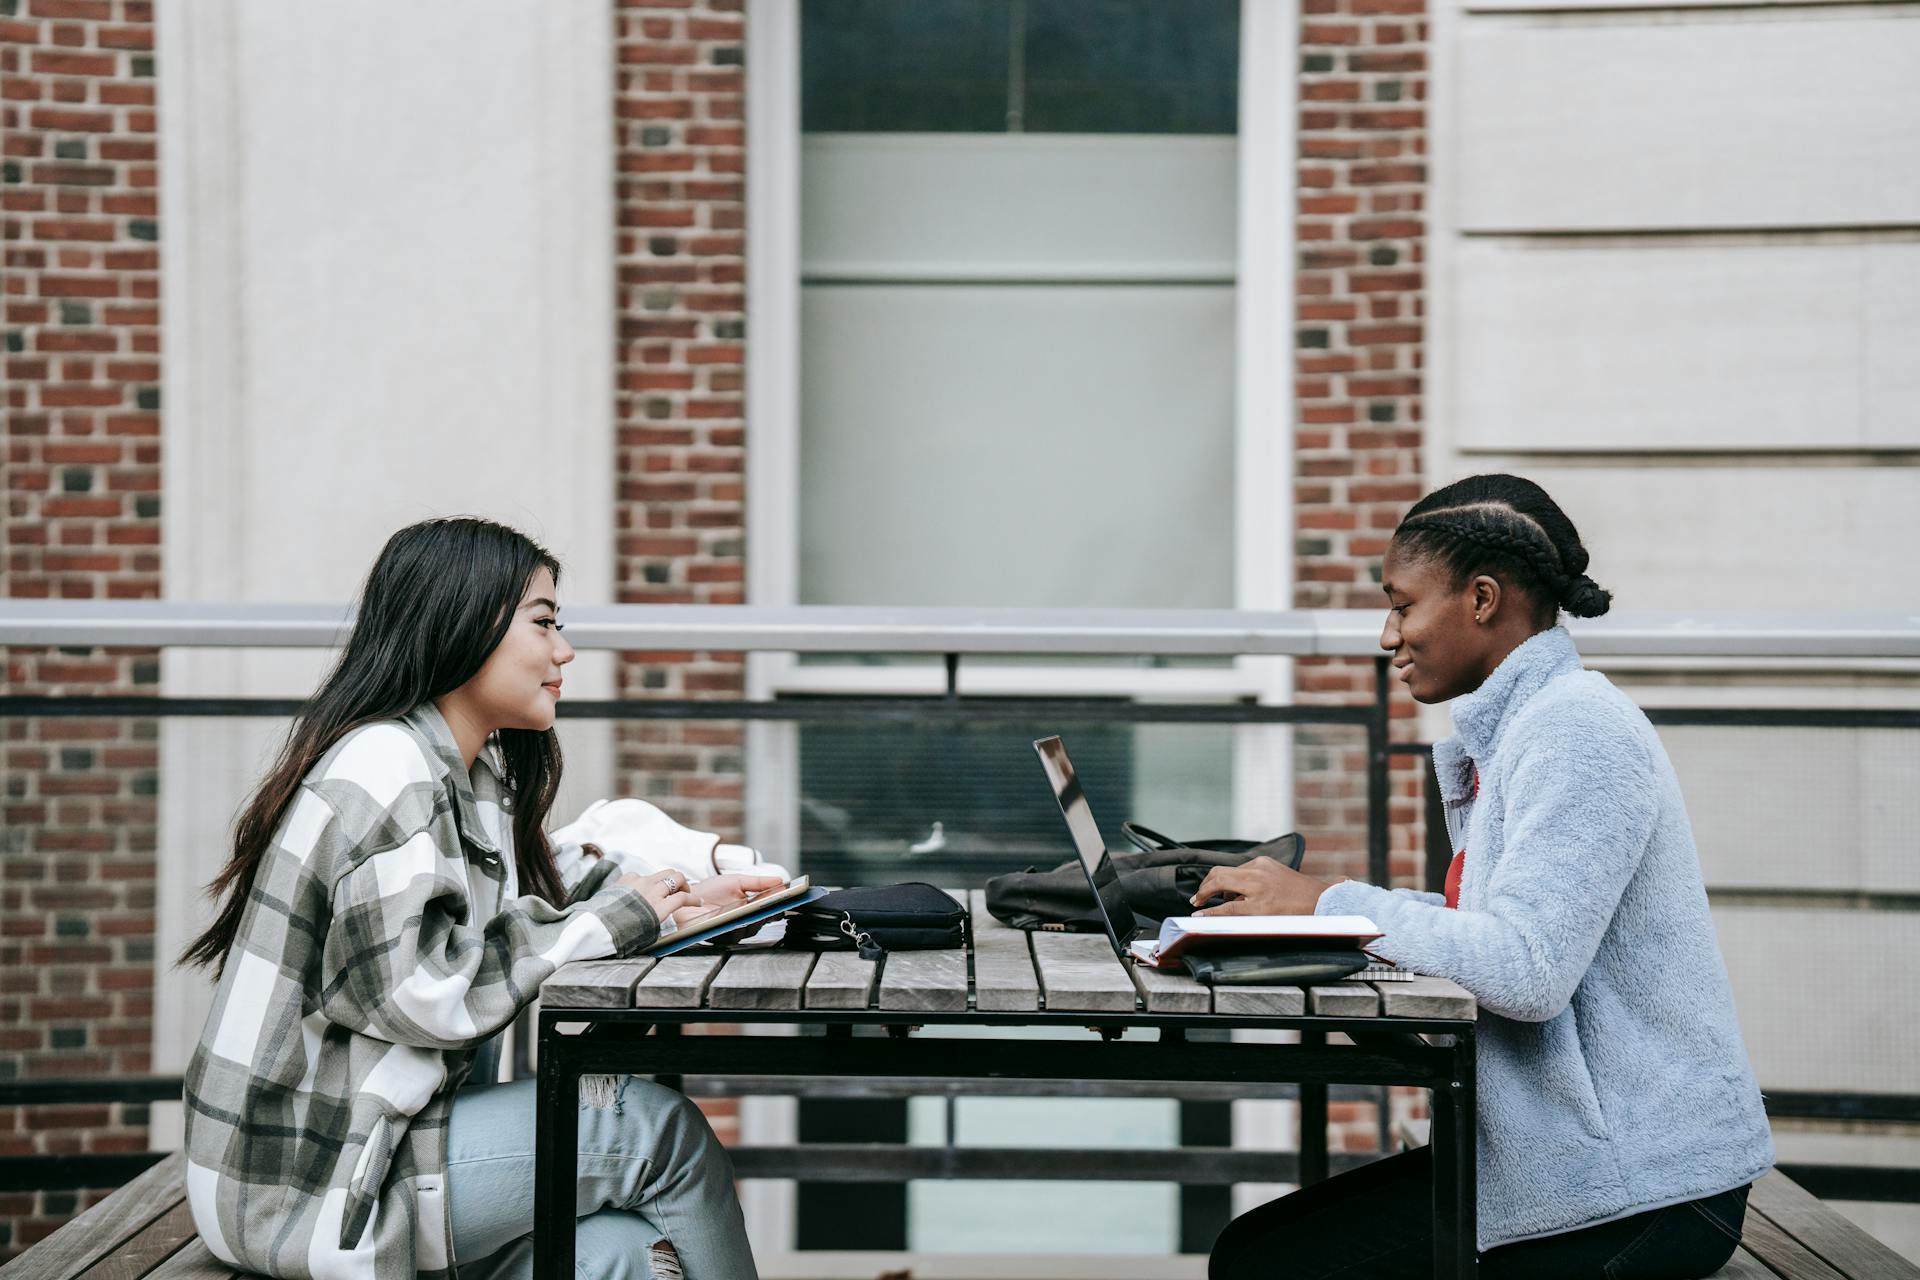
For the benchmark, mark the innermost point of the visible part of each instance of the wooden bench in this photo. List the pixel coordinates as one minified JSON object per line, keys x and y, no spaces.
{"x":144,"y":1230}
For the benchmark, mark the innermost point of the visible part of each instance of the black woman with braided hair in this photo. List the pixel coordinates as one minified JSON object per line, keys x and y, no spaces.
{"x":1619,"y":1123}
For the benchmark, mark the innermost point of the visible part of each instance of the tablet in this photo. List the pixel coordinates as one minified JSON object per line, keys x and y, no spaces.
{"x":690,"y":929}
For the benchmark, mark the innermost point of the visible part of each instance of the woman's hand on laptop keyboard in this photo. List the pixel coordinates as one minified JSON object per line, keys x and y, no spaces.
{"x":1261,"y":887}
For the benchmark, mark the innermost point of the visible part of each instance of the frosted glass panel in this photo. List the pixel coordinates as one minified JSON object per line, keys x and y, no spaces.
{"x":1057,"y":206}
{"x":1032,"y":1218}
{"x":1007,"y":445}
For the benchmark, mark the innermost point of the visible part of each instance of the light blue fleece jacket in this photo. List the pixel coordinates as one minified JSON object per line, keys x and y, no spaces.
{"x":1612,"y":1077}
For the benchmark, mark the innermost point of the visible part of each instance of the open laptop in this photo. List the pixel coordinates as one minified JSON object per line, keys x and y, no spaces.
{"x":1122,"y":927}
{"x":1104,"y":878}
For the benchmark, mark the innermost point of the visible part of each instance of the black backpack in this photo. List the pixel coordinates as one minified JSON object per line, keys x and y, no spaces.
{"x":1159,"y":880}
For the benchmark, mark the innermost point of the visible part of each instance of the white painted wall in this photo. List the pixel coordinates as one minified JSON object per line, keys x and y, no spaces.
{"x":1674,"y":256}
{"x":388,"y":294}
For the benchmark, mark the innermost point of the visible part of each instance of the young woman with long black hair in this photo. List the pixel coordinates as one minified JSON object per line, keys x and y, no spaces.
{"x":392,"y":903}
{"x":1619,"y":1123}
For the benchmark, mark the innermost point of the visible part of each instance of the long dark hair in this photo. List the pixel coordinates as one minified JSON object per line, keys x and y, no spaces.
{"x":436,"y":603}
{"x":1506,"y":526}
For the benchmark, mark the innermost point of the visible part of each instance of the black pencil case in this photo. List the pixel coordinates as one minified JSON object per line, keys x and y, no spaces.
{"x":875,"y":919}
{"x":1276,"y":968}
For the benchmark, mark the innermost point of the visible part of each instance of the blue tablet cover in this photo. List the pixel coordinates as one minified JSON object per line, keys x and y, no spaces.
{"x":741,"y":922}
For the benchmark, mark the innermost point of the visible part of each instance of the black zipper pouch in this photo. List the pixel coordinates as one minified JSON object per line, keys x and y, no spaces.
{"x":1283,"y":968}
{"x":875,"y":919}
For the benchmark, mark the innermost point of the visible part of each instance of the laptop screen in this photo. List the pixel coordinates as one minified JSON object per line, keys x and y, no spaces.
{"x":1087,"y":842}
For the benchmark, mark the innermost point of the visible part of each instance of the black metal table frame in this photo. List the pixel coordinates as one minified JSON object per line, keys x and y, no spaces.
{"x":1386,"y":1051}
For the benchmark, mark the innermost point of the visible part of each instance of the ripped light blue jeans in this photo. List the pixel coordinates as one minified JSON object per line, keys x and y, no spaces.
{"x":650,"y":1171}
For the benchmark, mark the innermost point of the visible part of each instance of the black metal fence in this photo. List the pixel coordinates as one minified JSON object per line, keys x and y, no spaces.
{"x":1203,"y":1119}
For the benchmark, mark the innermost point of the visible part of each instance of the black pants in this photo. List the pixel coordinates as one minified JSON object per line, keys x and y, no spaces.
{"x":1376,"y":1223}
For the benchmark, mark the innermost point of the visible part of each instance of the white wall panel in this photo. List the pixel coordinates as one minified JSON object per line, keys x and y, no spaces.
{"x":1746,"y":118}
{"x":1800,"y":808}
{"x":1807,"y":1024}
{"x":1628,"y":346}
{"x":1738,"y":536}
{"x":1499,"y":7}
{"x":387,"y":288}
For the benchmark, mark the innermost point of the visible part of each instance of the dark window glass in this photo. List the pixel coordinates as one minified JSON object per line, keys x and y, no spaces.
{"x":869,"y":791}
{"x":1040,"y":66}
{"x":1132,"y":66}
{"x":904,"y":66}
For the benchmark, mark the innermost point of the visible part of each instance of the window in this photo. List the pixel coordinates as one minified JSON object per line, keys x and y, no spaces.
{"x":1017,"y":362}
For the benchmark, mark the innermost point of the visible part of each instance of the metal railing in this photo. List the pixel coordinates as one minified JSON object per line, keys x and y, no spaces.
{"x":956,"y":635}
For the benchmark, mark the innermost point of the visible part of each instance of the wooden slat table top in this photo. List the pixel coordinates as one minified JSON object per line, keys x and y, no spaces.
{"x":761,"y":980}
{"x":677,"y":982}
{"x":841,"y":980}
{"x":1080,"y":974}
{"x":1002,"y":970}
{"x":926,"y":981}
{"x":1004,"y":980}
{"x":595,"y":984}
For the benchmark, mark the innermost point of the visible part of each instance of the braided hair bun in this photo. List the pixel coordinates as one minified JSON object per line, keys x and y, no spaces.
{"x":1585,"y":598}
{"x":1508,"y":526}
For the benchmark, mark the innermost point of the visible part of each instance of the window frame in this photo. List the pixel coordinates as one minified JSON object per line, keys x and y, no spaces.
{"x":1264,"y":425}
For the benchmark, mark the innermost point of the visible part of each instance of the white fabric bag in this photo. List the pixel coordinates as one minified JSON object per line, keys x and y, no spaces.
{"x":642,"y":839}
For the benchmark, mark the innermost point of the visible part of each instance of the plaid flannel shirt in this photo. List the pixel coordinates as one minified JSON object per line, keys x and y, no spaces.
{"x":379,"y":946}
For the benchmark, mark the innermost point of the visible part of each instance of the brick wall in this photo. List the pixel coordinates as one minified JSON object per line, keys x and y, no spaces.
{"x":680,"y":152}
{"x":1359,"y":331}
{"x":82,"y":479}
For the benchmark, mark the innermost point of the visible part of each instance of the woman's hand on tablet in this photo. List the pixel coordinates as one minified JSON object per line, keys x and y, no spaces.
{"x":1260,"y":887}
{"x":665,"y":891}
{"x":725,"y":891}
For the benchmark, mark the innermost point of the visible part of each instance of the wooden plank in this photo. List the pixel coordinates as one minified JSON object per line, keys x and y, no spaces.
{"x":1344,"y":1000}
{"x":1286,"y":1002}
{"x":594,"y":984}
{"x":761,"y":980}
{"x":1170,"y":992}
{"x":677,"y":982}
{"x":1744,"y":1266}
{"x":102,"y":1228}
{"x":194,"y":1262}
{"x":1824,"y":1232}
{"x":1425,"y":997}
{"x":1782,"y":1252}
{"x":1079,"y":972}
{"x":161,"y":1240}
{"x":841,"y":980}
{"x":1003,"y":973}
{"x":924,"y":981}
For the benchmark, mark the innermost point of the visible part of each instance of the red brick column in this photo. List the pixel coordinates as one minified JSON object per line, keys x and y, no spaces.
{"x":82,"y":480}
{"x":1359,"y":337}
{"x":680,"y":151}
